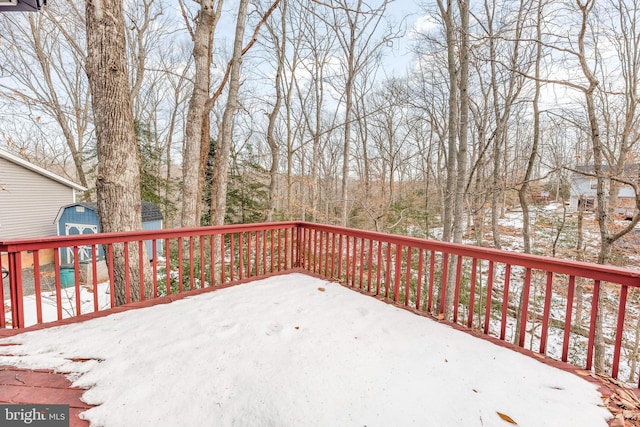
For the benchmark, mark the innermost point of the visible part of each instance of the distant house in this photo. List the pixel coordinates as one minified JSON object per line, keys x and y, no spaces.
{"x":82,"y":218}
{"x":584,"y":186}
{"x":30,"y":198}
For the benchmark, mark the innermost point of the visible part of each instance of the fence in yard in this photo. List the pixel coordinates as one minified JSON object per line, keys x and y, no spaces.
{"x":545,"y":304}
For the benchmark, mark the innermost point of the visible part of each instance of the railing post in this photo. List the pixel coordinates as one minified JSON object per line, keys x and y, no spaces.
{"x":298,"y":245}
{"x":15,"y":289}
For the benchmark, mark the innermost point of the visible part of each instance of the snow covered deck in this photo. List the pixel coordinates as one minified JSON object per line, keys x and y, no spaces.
{"x":296,"y":350}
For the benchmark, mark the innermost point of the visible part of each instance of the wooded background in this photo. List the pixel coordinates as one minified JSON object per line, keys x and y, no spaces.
{"x":426,"y":119}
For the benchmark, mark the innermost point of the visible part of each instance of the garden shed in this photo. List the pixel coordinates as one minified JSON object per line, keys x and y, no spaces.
{"x":82,"y":218}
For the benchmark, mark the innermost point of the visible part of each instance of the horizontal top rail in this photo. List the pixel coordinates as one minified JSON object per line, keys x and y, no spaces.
{"x":608,"y":273}
{"x":132,"y":236}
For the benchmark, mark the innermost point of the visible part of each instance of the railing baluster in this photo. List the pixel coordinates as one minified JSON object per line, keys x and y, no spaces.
{"x":472,"y":292}
{"x":76,"y":280}
{"x":191,"y":264}
{"x":112,"y":288}
{"x":456,"y":297}
{"x":141,"y":269}
{"x":362,"y":251}
{"x":347,"y":265}
{"x":232,"y":255}
{"x":489,"y":302}
{"x":407,"y":279}
{"x":202,"y":269}
{"x":94,"y":277}
{"x":180,"y":264}
{"x":154,"y":267}
{"x":264,"y":251}
{"x":592,"y":326}
{"x":387,"y":277}
{"x":505,"y":301}
{"x":354,"y":261}
{"x":524,"y":315}
{"x":622,"y":309}
{"x":444,"y":283}
{"x":432,"y":280}
{"x":378,"y":268}
{"x":419,"y":284}
{"x":369,"y":265}
{"x":127,"y":278}
{"x":320,"y":252}
{"x":546,"y":313}
{"x":567,"y":318}
{"x":167,"y":244}
{"x":396,"y":277}
{"x":36,"y":286}
{"x":222,"y":256}
{"x":249,"y":254}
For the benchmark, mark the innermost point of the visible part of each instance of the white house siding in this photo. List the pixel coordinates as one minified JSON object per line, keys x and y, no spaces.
{"x":29,"y":202}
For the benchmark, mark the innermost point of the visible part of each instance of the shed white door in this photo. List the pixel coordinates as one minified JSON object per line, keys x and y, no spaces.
{"x":84,"y":252}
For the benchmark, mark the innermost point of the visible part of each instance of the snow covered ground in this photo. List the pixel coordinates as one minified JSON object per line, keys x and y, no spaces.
{"x":295,"y":350}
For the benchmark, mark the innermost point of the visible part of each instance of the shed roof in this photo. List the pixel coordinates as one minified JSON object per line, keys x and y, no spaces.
{"x":37,"y":169}
{"x":21,"y":5}
{"x":150,"y":212}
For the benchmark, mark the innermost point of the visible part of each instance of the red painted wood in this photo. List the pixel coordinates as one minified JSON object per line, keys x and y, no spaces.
{"x":419,"y":284}
{"x":444,"y":282}
{"x":167,"y":246}
{"x":94,"y":276}
{"x":36,"y":285}
{"x":232,"y":256}
{"x":180,"y":264}
{"x":361,"y":265}
{"x":202,"y":258}
{"x":505,"y":301}
{"x":489,"y":300}
{"x":127,"y":279}
{"x":191,"y":264}
{"x":264,"y":251}
{"x":369,"y":265}
{"x":407,"y":278}
{"x":387,"y":277}
{"x":546,"y":313}
{"x":354,"y":261}
{"x":141,"y":269}
{"x":56,"y":267}
{"x":378,"y":268}
{"x":396,"y":277}
{"x":339,"y":257}
{"x":432,"y":268}
{"x":456,"y":296}
{"x":313,"y":247}
{"x":592,"y":326}
{"x":568,"y":314}
{"x":524,"y":315}
{"x":622,"y":309}
{"x":154,"y":267}
{"x":472,"y":292}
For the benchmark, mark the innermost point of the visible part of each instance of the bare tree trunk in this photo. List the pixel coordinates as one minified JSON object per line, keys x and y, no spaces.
{"x":221,"y":162}
{"x":273,"y":115}
{"x":118,"y":183}
{"x":524,"y":188}
{"x":191,"y":164}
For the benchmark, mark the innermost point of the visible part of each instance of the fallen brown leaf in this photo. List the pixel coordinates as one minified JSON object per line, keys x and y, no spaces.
{"x":507,"y":418}
{"x":321,"y":289}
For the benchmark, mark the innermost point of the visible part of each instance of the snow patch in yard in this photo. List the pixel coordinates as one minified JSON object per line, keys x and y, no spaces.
{"x":294,"y":350}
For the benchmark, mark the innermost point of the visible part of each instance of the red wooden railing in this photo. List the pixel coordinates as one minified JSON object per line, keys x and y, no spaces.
{"x":554,"y":299}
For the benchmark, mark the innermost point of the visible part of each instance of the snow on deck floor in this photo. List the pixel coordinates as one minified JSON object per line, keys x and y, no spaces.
{"x":294,"y":350}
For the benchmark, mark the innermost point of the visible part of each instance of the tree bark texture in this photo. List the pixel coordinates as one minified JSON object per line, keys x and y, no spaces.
{"x":118,"y":181}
